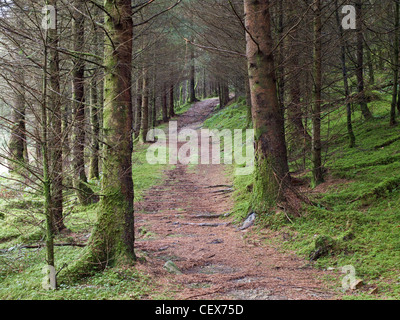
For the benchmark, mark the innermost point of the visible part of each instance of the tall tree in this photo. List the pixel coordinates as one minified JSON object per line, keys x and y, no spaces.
{"x":272,"y":178}
{"x":395,"y":64}
{"x":317,"y":176}
{"x":360,"y":61}
{"x":17,"y":143}
{"x":138,"y":105}
{"x":164,"y":103}
{"x":112,"y":240}
{"x":83,"y":192}
{"x":94,"y":172}
{"x":144,"y":126}
{"x":352,"y":138}
{"x":192,"y":76}
{"x":297,"y":130}
{"x":55,"y":134}
{"x":171,"y":110}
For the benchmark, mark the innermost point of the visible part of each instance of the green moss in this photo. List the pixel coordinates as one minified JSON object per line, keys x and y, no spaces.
{"x":358,"y":217}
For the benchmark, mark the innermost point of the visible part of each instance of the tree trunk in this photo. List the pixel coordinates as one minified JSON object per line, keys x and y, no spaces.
{"x":83,"y":192}
{"x":94,"y":121}
{"x":204,"y":84}
{"x":55,"y":135}
{"x":281,"y":56}
{"x":192,"y":75}
{"x":17,"y":143}
{"x":272,"y":176}
{"x":248,"y":103}
{"x":297,"y":131}
{"x":171,"y":101}
{"x":395,"y":65}
{"x":144,"y":127}
{"x":112,"y":240}
{"x":352,"y":138}
{"x":317,"y":176}
{"x":139,"y":101}
{"x":50,"y":36}
{"x":164,"y":103}
{"x":360,"y":62}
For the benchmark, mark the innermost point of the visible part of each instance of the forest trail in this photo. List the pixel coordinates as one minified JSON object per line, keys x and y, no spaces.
{"x":217,"y":260}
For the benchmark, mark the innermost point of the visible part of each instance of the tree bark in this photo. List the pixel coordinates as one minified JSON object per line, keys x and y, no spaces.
{"x":112,"y":240}
{"x":55,"y":134}
{"x":272,"y":177}
{"x":297,"y":131}
{"x":139,"y":101}
{"x":317,"y":176}
{"x":192,"y":75}
{"x":352,"y":138}
{"x":171,"y":101}
{"x":164,"y":103}
{"x":360,"y":62}
{"x":395,"y":65}
{"x":17,"y":144}
{"x":144,"y":126}
{"x":94,"y":172}
{"x":83,"y":192}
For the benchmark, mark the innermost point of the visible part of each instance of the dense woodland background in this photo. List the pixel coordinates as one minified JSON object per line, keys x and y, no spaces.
{"x":77,"y":102}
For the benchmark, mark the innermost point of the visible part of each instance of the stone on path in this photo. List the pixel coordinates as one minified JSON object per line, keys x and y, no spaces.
{"x":172,"y":268}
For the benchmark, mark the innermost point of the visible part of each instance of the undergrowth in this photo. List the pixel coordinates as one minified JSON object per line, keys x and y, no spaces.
{"x":357,"y":211}
{"x":22,"y":224}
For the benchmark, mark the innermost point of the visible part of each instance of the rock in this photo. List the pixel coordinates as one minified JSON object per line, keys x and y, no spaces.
{"x":227,"y":214}
{"x":172,"y":268}
{"x":356,"y":284}
{"x":323,"y":246}
{"x":374,"y":291}
{"x":249,"y":221}
{"x":217,"y":241}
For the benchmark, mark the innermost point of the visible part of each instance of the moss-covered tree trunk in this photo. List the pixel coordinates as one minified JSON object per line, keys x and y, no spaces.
{"x":112,"y":240}
{"x":95,"y":111}
{"x":94,"y":172}
{"x":272,"y":172}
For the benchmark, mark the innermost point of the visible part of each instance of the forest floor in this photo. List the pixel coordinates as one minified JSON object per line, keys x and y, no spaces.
{"x":182,"y":220}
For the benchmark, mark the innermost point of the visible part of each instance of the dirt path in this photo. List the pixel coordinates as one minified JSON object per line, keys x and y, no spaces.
{"x":217,"y":260}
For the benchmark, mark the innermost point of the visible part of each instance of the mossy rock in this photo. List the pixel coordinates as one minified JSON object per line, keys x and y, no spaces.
{"x":323,"y":245}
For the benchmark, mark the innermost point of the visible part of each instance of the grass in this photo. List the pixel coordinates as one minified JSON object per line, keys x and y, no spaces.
{"x":22,"y":223}
{"x":360,"y":210}
{"x":358,"y":215}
